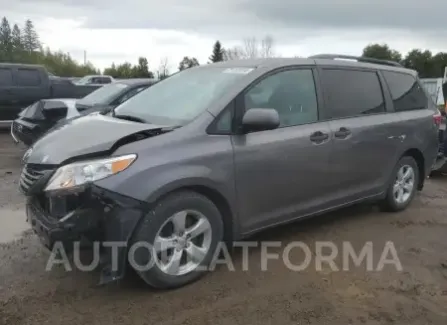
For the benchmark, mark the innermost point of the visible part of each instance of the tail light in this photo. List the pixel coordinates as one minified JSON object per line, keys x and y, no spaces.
{"x":437,"y":119}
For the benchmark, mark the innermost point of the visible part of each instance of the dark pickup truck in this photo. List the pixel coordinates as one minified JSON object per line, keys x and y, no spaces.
{"x":23,"y":84}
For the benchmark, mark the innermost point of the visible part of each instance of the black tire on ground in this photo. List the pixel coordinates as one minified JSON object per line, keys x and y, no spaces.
{"x":389,"y":203}
{"x":151,"y":224}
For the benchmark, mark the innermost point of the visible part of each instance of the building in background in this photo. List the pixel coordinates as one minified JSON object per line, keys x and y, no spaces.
{"x":434,"y":88}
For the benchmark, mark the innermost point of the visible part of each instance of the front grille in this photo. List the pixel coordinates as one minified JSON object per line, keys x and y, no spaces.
{"x":19,"y":128}
{"x":29,"y":177}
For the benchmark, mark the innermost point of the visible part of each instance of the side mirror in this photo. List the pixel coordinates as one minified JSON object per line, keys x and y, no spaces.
{"x":260,"y":119}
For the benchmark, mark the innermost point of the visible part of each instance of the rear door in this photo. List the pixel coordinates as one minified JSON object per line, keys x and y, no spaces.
{"x":8,"y":102}
{"x":31,"y":86}
{"x":282,"y":173}
{"x":363,"y":132}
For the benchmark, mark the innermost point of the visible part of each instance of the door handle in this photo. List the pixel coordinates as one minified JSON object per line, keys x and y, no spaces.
{"x":318,"y":137}
{"x":342,"y":133}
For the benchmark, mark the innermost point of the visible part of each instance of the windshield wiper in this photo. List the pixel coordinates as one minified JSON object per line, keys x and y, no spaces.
{"x":129,"y":118}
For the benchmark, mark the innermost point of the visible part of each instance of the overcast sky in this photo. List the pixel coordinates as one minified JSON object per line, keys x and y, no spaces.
{"x":116,"y":30}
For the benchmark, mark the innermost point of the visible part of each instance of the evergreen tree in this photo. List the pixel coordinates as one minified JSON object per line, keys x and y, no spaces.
{"x":30,"y":39}
{"x":17,"y":46}
{"x":218,"y":53}
{"x":6,"y":50}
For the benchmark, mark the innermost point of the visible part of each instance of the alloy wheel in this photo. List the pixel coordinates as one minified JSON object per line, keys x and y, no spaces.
{"x":182,"y":242}
{"x":404,"y":184}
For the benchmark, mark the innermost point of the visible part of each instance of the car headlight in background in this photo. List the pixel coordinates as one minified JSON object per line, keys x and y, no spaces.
{"x":80,"y":173}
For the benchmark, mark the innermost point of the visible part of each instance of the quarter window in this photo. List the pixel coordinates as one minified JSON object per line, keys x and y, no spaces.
{"x":406,"y":92}
{"x":352,"y":93}
{"x":223,"y":125}
{"x":292,"y":93}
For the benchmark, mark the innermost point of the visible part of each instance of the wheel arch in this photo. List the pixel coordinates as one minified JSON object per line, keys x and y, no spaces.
{"x":417,"y":155}
{"x":211,"y":192}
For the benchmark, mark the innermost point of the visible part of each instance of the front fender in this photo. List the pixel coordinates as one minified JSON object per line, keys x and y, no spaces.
{"x":149,"y":185}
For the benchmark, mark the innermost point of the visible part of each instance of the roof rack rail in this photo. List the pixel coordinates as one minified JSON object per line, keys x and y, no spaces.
{"x":356,"y":58}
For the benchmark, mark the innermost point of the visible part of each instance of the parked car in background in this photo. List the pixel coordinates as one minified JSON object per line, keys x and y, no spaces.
{"x":218,"y":152}
{"x":39,"y":117}
{"x":95,"y":80}
{"x":44,"y":114}
{"x":22,"y":85}
{"x":112,"y":95}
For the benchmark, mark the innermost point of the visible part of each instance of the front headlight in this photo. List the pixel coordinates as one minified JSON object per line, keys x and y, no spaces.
{"x":81,"y":173}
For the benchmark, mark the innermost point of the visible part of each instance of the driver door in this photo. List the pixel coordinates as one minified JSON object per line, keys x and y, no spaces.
{"x":281,"y":173}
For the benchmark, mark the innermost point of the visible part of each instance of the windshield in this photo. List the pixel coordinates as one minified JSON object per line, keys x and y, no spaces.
{"x":103,"y":95}
{"x":182,"y":96}
{"x":33,"y":111}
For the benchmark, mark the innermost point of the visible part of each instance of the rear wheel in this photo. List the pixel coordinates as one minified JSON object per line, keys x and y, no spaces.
{"x":403,"y":185}
{"x":183,"y":232}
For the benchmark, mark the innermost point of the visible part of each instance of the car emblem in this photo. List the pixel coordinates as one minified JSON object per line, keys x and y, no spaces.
{"x":19,"y":128}
{"x":26,"y":155}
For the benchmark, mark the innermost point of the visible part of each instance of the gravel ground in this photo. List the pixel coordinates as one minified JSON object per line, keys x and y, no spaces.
{"x":415,"y":295}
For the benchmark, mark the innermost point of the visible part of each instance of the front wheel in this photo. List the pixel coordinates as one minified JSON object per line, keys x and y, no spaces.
{"x":403,"y":185}
{"x":183,"y":232}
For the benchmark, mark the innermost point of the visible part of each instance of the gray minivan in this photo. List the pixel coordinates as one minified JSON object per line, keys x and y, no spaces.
{"x":218,"y":152}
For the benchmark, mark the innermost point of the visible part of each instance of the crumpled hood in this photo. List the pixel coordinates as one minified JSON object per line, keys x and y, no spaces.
{"x":86,"y":135}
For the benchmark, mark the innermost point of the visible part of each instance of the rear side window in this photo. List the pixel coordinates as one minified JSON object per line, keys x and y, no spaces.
{"x":406,"y":92}
{"x":104,"y":80}
{"x":28,"y":77}
{"x":6,"y":77}
{"x":352,"y":93}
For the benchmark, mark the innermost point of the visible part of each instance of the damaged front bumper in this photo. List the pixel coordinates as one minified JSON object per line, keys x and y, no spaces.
{"x":24,"y":131}
{"x":97,"y":215}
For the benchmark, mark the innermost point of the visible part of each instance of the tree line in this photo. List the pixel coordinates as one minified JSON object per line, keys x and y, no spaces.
{"x":22,"y":45}
{"x":426,"y":63}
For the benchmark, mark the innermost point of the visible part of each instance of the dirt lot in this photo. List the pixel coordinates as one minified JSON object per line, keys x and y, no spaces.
{"x":415,"y":295}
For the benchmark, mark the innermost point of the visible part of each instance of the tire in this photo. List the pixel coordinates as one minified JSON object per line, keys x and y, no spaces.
{"x":159,"y":224}
{"x":390,"y":202}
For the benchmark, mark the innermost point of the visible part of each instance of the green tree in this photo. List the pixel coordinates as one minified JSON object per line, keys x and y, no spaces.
{"x":439,"y":64}
{"x":218,"y":53}
{"x":381,"y":52}
{"x":142,"y":69}
{"x":127,"y":70}
{"x":6,"y":49}
{"x":422,"y":62}
{"x":30,"y":39}
{"x":17,"y":45}
{"x":187,"y":63}
{"x":427,"y":64}
{"x":111,"y":71}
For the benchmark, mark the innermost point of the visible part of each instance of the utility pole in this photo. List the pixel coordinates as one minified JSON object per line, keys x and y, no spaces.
{"x":85,"y":57}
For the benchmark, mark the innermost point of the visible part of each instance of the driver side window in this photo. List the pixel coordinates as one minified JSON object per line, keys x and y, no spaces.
{"x":291,"y":93}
